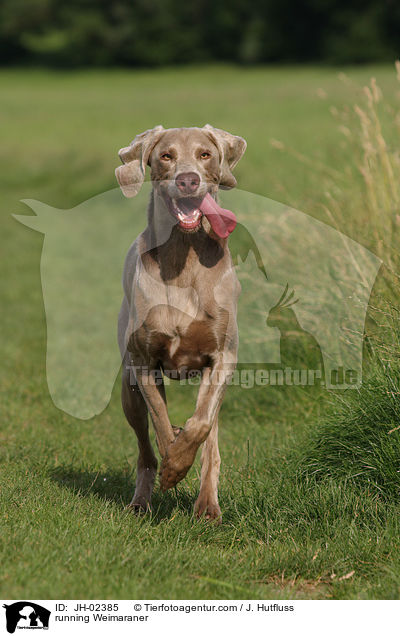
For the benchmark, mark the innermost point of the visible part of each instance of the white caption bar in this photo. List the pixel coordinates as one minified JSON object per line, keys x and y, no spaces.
{"x":88,"y":617}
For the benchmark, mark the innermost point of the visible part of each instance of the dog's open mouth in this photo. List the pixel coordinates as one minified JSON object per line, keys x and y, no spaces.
{"x":186,"y":211}
{"x":189,"y":210}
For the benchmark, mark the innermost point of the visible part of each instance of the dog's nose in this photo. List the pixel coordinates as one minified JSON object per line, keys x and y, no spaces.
{"x":187,"y":182}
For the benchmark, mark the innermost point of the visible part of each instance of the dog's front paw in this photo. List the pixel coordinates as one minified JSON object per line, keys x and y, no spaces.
{"x":171,"y":472}
{"x":178,"y":459}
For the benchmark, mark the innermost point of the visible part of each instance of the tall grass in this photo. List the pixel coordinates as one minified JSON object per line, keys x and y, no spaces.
{"x":371,"y":185}
{"x":358,"y":439}
{"x":372,"y":137}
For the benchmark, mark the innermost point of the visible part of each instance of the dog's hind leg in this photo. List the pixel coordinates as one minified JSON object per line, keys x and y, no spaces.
{"x":136,"y":413}
{"x":207,"y":501}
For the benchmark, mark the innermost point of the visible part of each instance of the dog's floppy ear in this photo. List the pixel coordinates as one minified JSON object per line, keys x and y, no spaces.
{"x":135,"y":157}
{"x":231,"y":149}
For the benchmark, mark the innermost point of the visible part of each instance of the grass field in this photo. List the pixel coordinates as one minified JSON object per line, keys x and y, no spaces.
{"x":310,"y":481}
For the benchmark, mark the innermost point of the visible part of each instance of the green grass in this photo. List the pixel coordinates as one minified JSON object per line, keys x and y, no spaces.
{"x":300,"y":509}
{"x":360,"y":438}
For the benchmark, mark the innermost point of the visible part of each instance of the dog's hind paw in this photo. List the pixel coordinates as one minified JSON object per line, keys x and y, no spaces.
{"x":139,"y":506}
{"x":209,"y":510}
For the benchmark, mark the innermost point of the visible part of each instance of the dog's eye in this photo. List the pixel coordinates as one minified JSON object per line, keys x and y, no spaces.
{"x":166,"y":156}
{"x":205,"y":155}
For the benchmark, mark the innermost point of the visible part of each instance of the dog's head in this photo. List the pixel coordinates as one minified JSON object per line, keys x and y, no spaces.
{"x":186,"y":164}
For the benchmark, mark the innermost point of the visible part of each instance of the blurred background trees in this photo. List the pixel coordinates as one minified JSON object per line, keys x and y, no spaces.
{"x":158,"y":32}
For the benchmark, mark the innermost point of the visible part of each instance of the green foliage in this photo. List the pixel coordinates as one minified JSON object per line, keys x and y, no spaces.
{"x":159,"y":32}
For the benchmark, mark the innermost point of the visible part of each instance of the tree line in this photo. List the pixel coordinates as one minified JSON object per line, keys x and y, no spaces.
{"x":77,"y":33}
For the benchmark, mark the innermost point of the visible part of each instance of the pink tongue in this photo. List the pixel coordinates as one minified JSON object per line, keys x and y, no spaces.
{"x":223,"y":222}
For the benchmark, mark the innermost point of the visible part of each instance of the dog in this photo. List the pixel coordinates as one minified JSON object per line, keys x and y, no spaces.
{"x":178,"y":314}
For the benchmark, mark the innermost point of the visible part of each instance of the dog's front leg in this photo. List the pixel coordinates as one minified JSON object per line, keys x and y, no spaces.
{"x":181,"y":454}
{"x":151,"y":386}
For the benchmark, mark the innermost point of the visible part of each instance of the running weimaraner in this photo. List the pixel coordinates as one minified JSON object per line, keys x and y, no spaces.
{"x":178,"y":314}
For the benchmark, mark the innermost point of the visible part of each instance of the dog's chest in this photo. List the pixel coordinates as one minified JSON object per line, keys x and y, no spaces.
{"x":189,"y":345}
{"x":180,"y":325}
{"x":182,"y":329}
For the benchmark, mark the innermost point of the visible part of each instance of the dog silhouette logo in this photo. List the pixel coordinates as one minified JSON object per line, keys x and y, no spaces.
{"x":26,"y":615}
{"x":81,"y":268}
